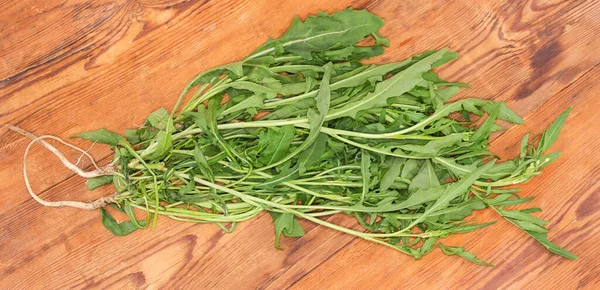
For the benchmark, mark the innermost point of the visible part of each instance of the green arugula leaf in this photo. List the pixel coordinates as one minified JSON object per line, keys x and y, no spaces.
{"x":422,"y":196}
{"x":483,"y":132}
{"x":548,"y":158}
{"x":552,"y":247}
{"x":526,"y":222}
{"x":323,"y":100}
{"x":312,"y":154}
{"x":394,"y":86}
{"x":390,"y":175}
{"x":452,"y":191}
{"x":161,"y":146}
{"x":286,"y":173}
{"x":504,"y":113}
{"x":286,"y":224}
{"x":449,"y":250}
{"x":378,"y":142}
{"x":279,"y":144}
{"x":102,"y":136}
{"x":463,"y":229}
{"x":322,"y":32}
{"x":410,"y":169}
{"x":447,"y":93}
{"x":255,"y":101}
{"x":203,"y":165}
{"x":447,"y":57}
{"x":425,"y":178}
{"x":551,"y":134}
{"x":161,"y":120}
{"x":264,"y":91}
{"x":118,"y":229}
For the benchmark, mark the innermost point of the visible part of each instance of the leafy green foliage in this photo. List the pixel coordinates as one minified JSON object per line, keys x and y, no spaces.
{"x":313,"y":153}
{"x":448,"y":250}
{"x":277,"y":143}
{"x":303,"y":129}
{"x":285,"y":224}
{"x":160,"y":120}
{"x":102,"y":136}
{"x":322,"y":33}
{"x":425,"y":178}
{"x":118,"y":229}
{"x":389,"y":177}
{"x":551,"y":134}
{"x":394,"y":86}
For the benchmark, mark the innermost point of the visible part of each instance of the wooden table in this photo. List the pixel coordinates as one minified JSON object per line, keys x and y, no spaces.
{"x":73,"y":66}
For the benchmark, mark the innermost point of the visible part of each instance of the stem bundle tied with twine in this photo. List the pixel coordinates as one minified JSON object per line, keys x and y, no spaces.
{"x":302,"y":128}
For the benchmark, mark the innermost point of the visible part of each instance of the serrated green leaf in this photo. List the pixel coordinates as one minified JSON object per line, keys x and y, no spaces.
{"x":452,"y":191}
{"x":132,"y":136}
{"x":284,"y":175}
{"x":312,"y":154}
{"x":162,"y":144}
{"x":203,"y":165}
{"x":463,"y":229}
{"x":390,"y":175}
{"x":552,"y":247}
{"x":322,"y":32}
{"x":411,"y":168}
{"x":264,"y":91}
{"x":483,"y":132}
{"x":161,"y":120}
{"x":551,"y":134}
{"x":255,"y":101}
{"x":421,"y":196}
{"x":447,"y":57}
{"x":519,"y":215}
{"x":102,"y":136}
{"x":501,"y":170}
{"x":286,"y":224}
{"x":459,"y":211}
{"x":428,"y":245}
{"x":118,"y":229}
{"x":279,"y":144}
{"x":400,"y":83}
{"x":315,"y":120}
{"x":309,"y":83}
{"x":447,"y":93}
{"x":508,"y":202}
{"x":425,"y":178}
{"x":504,"y":113}
{"x":529,"y":226}
{"x":448,"y":250}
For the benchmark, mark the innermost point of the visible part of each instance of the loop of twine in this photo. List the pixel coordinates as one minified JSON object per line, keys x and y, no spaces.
{"x":100,"y":171}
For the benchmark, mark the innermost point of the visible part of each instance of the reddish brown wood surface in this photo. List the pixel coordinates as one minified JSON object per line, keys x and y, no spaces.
{"x":72,"y":66}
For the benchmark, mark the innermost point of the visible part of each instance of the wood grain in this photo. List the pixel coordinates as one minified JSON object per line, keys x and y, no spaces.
{"x":72,"y":66}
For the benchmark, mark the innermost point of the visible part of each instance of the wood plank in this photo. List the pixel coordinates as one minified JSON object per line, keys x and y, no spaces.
{"x":73,"y":66}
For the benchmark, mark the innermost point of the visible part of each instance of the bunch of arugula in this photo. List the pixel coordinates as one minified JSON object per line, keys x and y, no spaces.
{"x":380,"y":143}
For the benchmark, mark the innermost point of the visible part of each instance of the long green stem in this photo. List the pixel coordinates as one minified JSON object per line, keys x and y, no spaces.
{"x":257,"y":201}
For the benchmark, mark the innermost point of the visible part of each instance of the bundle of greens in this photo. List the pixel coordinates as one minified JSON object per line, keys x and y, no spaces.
{"x":302,"y":129}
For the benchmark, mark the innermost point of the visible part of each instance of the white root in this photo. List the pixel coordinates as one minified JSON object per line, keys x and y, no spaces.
{"x":100,"y":171}
{"x":83,"y":154}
